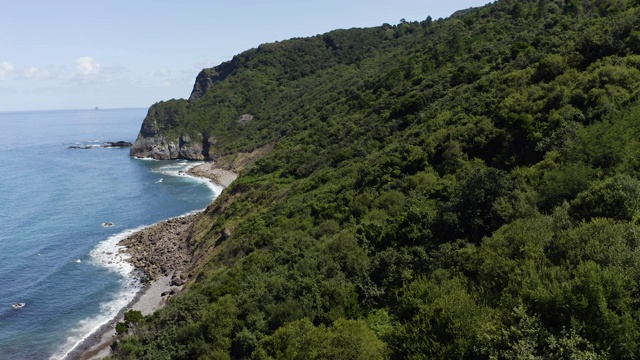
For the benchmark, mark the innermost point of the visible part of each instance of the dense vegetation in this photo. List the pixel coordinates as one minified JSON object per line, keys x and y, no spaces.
{"x":455,"y":188}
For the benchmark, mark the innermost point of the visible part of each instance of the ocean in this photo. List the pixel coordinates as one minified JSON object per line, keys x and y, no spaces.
{"x":55,"y":254}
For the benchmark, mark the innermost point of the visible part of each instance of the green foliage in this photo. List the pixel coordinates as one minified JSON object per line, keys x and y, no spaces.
{"x":344,"y":339}
{"x":133,"y":316}
{"x":616,"y":197}
{"x":454,"y":188}
{"x":121,"y":328}
{"x":440,"y":319}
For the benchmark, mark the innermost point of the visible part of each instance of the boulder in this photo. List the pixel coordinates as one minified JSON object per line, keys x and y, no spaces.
{"x":177,"y":279}
{"x":225,"y":234}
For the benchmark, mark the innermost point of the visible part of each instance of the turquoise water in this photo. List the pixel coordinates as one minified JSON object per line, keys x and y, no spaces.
{"x":55,"y":255}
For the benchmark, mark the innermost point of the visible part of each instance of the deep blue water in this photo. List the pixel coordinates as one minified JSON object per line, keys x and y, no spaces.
{"x":55,"y":255}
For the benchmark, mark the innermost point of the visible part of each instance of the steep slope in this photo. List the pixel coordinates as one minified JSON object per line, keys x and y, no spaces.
{"x":459,"y":188}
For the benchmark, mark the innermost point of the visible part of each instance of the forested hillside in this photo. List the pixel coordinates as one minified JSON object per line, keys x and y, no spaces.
{"x":455,"y":188}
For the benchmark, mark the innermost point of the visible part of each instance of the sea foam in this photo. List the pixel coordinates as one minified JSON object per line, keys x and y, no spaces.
{"x":110,"y":255}
{"x":182,"y":168}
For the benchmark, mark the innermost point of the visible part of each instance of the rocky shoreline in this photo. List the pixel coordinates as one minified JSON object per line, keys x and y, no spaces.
{"x":161,"y":249}
{"x":161,"y":255}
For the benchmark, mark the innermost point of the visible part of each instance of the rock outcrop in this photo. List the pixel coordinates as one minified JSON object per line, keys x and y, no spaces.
{"x":117,"y":144}
{"x":153,"y":142}
{"x":209,"y":77}
{"x":162,"y":148}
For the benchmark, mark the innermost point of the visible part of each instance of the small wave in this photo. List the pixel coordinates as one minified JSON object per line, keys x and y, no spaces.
{"x":112,"y":256}
{"x":181,"y":169}
{"x":159,"y":181}
{"x":177,"y":168}
{"x":89,"y":326}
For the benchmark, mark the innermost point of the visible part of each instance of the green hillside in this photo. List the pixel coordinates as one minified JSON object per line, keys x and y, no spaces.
{"x":455,"y":188}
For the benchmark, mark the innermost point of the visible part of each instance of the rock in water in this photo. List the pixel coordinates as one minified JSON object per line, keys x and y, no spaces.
{"x":119,"y":144}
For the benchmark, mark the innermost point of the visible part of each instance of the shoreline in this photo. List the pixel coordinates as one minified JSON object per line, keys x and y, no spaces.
{"x":160,"y":256}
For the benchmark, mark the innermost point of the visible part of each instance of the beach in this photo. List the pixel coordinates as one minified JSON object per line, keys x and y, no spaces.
{"x":161,"y":257}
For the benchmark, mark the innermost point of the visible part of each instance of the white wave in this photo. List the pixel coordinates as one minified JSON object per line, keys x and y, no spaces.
{"x":215,"y":188}
{"x":90,"y":325}
{"x":182,"y":169}
{"x":159,"y":181}
{"x":145,"y":159}
{"x":177,"y":168}
{"x":112,"y":256}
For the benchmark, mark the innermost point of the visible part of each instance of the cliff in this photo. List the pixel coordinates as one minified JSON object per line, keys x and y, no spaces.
{"x":233,"y":107}
{"x":176,"y":143}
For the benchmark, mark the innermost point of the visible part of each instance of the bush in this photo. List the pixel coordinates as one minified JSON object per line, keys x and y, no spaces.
{"x":617,"y":197}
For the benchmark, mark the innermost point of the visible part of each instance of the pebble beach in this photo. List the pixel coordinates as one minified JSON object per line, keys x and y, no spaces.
{"x":161,"y":257}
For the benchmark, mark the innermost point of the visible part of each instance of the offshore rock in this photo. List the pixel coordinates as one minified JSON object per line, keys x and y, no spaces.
{"x":116,"y":144}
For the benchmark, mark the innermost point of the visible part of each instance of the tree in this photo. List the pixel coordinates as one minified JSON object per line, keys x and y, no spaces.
{"x":617,"y":197}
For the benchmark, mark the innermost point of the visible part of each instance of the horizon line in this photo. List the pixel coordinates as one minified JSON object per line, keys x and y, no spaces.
{"x":77,"y":109}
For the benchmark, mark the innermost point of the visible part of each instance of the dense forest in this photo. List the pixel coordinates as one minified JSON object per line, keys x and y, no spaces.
{"x":459,"y":188}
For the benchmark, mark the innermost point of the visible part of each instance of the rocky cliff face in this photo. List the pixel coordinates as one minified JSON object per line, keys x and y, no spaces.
{"x":208,"y":77}
{"x":167,"y":131}
{"x":156,"y":143}
{"x":160,"y":147}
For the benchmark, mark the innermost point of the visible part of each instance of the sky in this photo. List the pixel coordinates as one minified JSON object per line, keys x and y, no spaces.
{"x":72,"y":54}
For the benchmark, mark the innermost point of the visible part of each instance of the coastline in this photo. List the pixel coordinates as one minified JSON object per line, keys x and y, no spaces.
{"x":160,"y":256}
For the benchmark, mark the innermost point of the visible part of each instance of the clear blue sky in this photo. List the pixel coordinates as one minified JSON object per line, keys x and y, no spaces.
{"x":71,"y":54}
